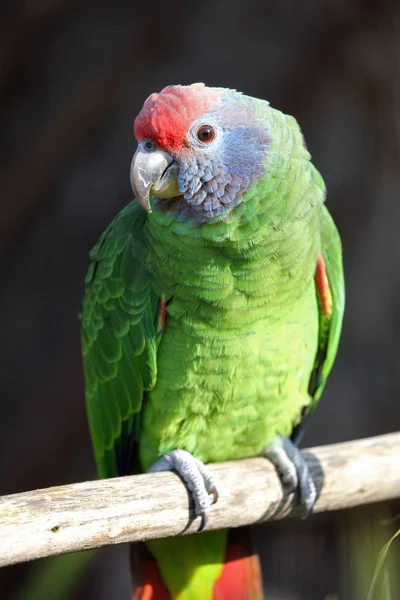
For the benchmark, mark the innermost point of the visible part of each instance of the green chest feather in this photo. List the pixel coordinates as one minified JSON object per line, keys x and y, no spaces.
{"x":241,"y":330}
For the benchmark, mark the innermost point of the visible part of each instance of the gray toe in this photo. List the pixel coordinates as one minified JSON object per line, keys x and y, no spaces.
{"x":293,"y":469}
{"x":196,"y":476}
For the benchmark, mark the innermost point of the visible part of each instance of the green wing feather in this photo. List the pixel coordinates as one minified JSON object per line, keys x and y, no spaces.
{"x":119,"y":322}
{"x":330,"y":326}
{"x":331,"y":247}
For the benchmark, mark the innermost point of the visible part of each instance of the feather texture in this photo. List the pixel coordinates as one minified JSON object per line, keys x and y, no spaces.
{"x":202,"y":324}
{"x":120,"y":319}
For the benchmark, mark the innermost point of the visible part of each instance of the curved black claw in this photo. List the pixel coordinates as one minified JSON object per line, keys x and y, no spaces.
{"x":196,"y":476}
{"x":293,"y":470}
{"x":204,"y":521}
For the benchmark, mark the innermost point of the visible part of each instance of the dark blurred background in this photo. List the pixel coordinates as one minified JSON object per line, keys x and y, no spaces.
{"x":73,"y":75}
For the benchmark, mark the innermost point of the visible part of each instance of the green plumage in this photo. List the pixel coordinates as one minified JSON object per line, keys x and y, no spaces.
{"x":120,"y":319}
{"x":243,"y":331}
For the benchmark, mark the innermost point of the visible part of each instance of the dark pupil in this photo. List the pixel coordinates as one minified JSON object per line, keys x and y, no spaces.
{"x":205,"y":133}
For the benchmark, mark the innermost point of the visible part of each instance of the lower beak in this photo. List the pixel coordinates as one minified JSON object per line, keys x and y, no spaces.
{"x":153,"y":172}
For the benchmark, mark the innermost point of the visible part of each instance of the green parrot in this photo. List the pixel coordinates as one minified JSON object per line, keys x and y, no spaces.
{"x":211,"y":318}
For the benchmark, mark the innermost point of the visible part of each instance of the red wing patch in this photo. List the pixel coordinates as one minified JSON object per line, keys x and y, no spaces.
{"x":163,"y":314}
{"x":322,"y":285}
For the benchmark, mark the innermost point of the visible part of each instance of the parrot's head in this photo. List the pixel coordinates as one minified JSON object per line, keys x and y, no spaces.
{"x":199,"y":150}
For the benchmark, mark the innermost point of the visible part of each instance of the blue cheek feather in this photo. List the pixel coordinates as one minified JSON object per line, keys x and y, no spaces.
{"x":244,"y":152}
{"x":213,"y":183}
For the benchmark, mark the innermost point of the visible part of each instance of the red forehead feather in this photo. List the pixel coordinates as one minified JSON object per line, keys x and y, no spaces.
{"x":166,"y":117}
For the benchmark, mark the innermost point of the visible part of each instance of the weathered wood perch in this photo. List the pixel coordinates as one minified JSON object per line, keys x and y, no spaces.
{"x":96,"y":513}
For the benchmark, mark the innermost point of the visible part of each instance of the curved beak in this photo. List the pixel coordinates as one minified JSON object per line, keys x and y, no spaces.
{"x":153,"y":172}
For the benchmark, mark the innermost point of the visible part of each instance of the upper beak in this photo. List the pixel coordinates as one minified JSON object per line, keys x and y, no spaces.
{"x":153,"y":172}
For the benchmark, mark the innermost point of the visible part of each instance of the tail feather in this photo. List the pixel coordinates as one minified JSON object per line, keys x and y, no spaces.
{"x":151,"y":585}
{"x":240,"y":578}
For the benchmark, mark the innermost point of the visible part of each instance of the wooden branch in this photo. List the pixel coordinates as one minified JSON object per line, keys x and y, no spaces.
{"x":96,"y":513}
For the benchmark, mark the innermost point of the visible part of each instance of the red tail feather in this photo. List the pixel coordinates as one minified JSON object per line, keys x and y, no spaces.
{"x":241,"y":576}
{"x":151,"y":586}
{"x":240,"y":579}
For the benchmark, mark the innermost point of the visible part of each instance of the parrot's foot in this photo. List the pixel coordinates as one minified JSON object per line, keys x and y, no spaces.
{"x":196,"y":476}
{"x":293,"y":470}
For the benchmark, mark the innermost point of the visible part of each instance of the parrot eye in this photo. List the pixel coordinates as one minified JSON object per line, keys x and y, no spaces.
{"x":206,"y":133}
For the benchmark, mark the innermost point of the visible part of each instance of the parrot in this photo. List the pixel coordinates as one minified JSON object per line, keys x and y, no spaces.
{"x":211,"y":319}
